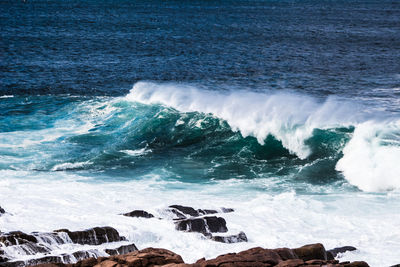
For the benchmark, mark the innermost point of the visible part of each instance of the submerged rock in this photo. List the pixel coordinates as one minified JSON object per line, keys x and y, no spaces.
{"x":241,"y":237}
{"x":204,"y":225}
{"x":93,"y":236}
{"x":139,"y":213}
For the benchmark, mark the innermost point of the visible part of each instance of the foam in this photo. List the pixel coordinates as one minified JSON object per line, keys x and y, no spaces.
{"x":60,"y":200}
{"x":371,"y":158}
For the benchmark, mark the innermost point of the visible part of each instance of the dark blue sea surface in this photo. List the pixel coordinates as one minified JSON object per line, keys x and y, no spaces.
{"x":103,"y":47}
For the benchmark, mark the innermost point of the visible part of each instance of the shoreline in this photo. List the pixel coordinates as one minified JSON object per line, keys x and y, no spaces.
{"x":39,"y":247}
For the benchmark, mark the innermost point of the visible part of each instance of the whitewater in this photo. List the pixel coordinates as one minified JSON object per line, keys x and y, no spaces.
{"x":296,"y":168}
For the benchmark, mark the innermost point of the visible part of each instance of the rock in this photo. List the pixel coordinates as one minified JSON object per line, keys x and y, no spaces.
{"x":286,"y":253}
{"x":227,"y":210}
{"x":183,"y":212}
{"x":16,"y":238}
{"x":2,"y":211}
{"x":357,"y":264}
{"x":203,"y":225}
{"x":145,"y":257}
{"x":311,"y":252}
{"x":241,"y":237}
{"x":93,"y":236}
{"x":290,"y":263}
{"x":121,"y":250}
{"x":139,"y":213}
{"x":251,"y":257}
{"x":338,"y":250}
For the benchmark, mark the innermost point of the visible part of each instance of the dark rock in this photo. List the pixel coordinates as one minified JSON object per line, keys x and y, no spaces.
{"x":203,"y":225}
{"x":93,"y":236}
{"x":121,"y":250}
{"x":357,"y":264}
{"x":183,"y":212}
{"x":311,"y":252}
{"x":48,"y":259}
{"x":396,"y":265}
{"x":338,"y":250}
{"x":241,"y":237}
{"x":16,"y":238}
{"x":139,"y":213}
{"x":2,"y":211}
{"x":227,"y":210}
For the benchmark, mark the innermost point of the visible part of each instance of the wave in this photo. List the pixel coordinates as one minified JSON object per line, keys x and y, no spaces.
{"x":195,"y":134}
{"x":370,"y":160}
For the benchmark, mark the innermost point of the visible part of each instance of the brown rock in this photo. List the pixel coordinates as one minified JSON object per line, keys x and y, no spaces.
{"x":286,"y":253}
{"x":357,"y":264}
{"x":251,"y":257}
{"x":291,"y":263}
{"x":311,"y":252}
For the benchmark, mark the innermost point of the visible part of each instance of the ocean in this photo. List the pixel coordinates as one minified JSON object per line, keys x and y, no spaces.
{"x":287,"y":111}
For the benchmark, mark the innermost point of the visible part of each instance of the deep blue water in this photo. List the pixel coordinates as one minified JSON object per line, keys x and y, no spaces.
{"x":104,"y":47}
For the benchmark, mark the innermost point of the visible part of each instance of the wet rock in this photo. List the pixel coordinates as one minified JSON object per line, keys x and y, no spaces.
{"x":2,"y":211}
{"x":16,"y":238}
{"x":139,"y":213}
{"x":251,"y":257}
{"x":241,"y":237}
{"x":183,"y":212}
{"x":311,"y":252}
{"x":121,"y":250}
{"x":334,"y":252}
{"x":93,"y":236}
{"x":203,"y":225}
{"x":227,"y":210}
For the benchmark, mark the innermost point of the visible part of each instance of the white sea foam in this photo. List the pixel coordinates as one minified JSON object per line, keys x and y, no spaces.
{"x":371,"y":159}
{"x":58,"y":200}
{"x":137,"y":152}
{"x":6,"y":96}
{"x":69,"y":166}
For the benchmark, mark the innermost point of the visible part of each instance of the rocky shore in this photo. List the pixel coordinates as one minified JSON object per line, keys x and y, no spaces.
{"x":19,"y":249}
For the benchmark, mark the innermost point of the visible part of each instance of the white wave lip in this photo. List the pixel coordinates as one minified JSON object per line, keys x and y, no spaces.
{"x":371,"y":159}
{"x":291,"y":118}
